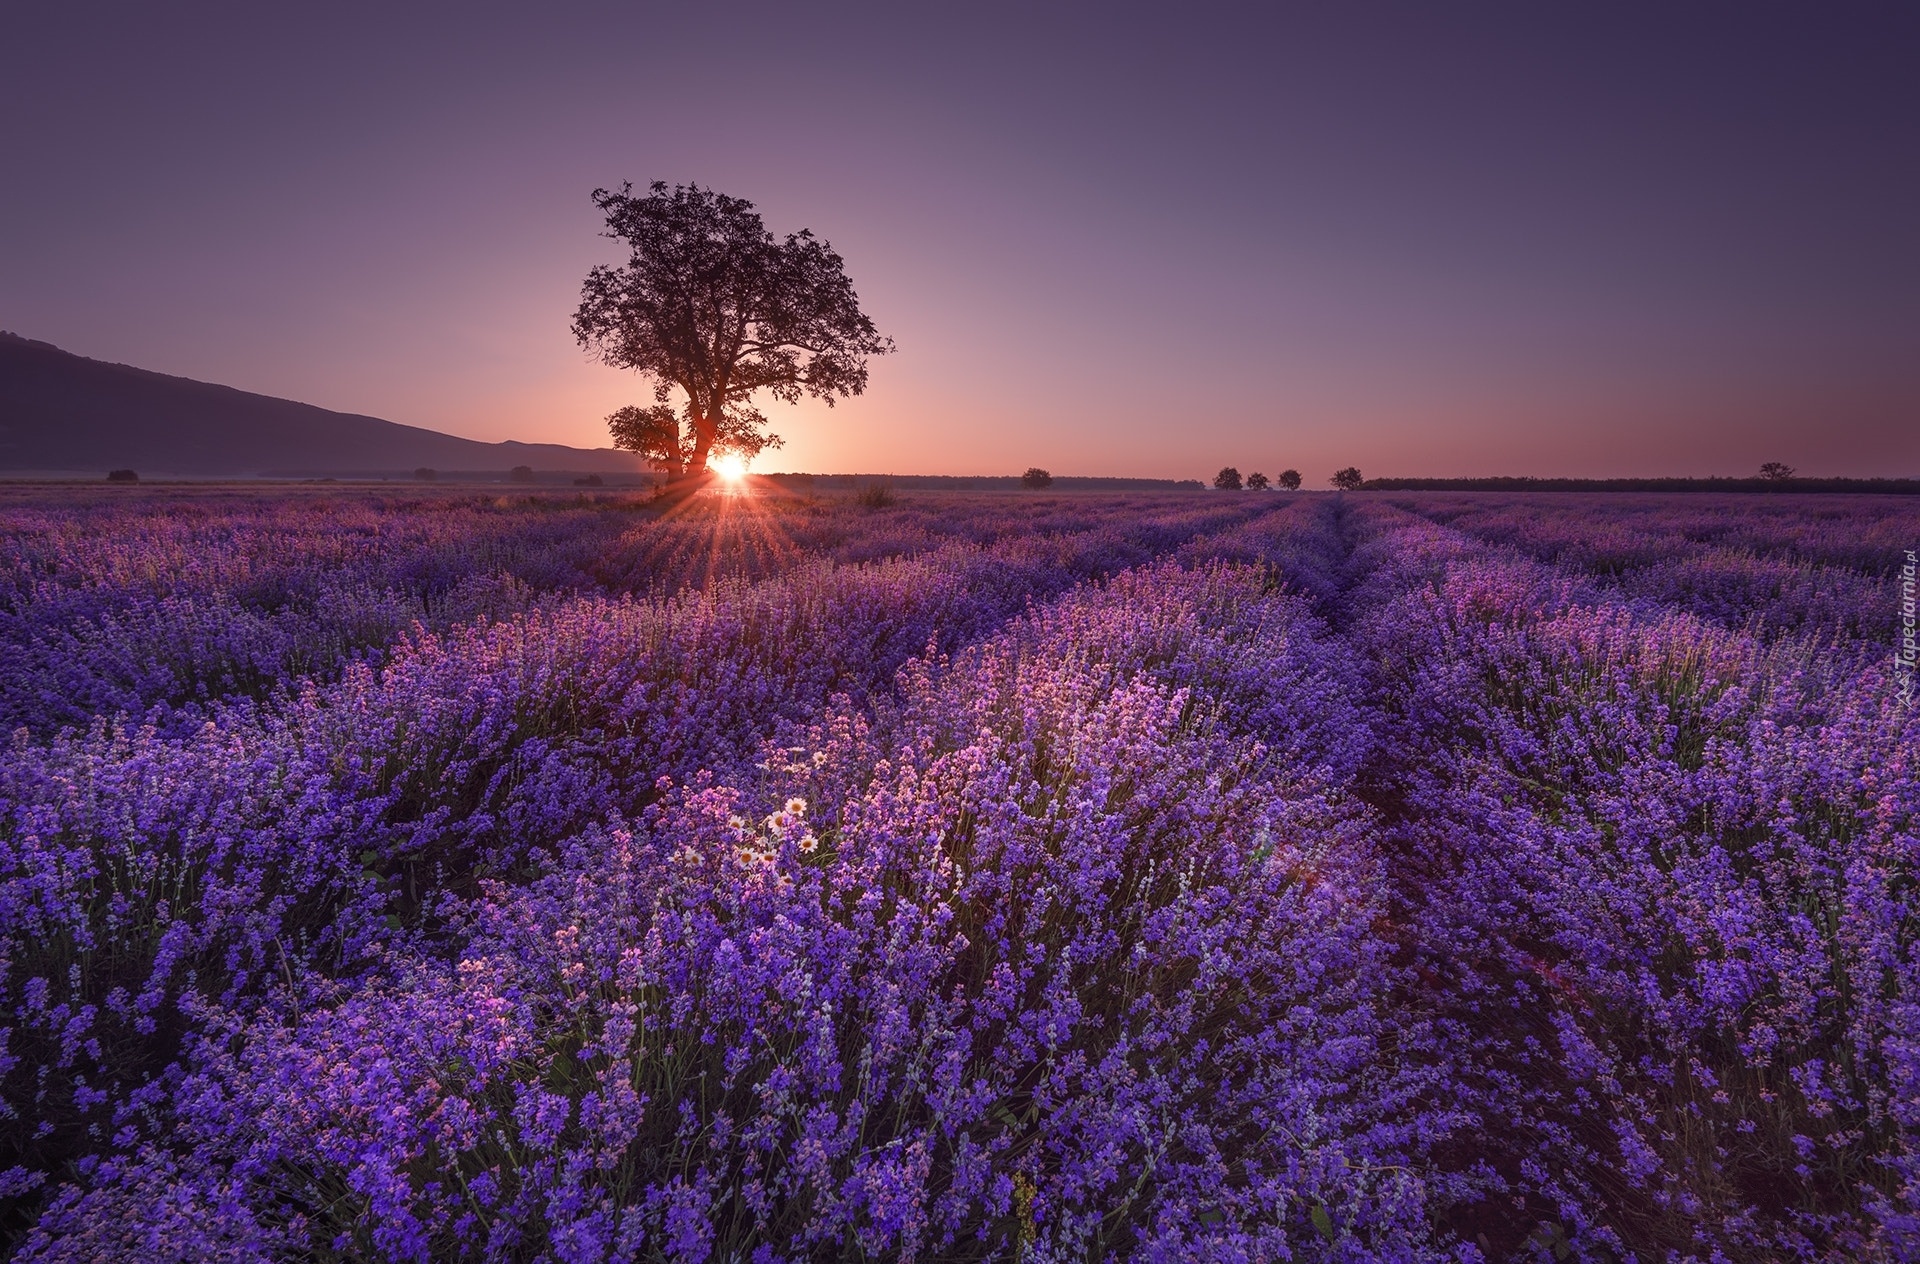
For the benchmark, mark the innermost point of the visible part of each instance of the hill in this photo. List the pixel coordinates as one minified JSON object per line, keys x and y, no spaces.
{"x":63,"y":412}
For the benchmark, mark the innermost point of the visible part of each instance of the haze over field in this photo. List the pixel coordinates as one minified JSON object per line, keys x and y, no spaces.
{"x":1624,"y":241}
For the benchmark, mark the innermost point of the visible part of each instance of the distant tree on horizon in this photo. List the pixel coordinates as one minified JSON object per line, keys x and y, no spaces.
{"x":520,"y":474}
{"x":123,"y":476}
{"x":1227,"y":480}
{"x":1036,"y":478}
{"x":710,"y":304}
{"x":1347,"y":480}
{"x":1776,"y":471}
{"x":1257,"y":481}
{"x":1290,"y":479}
{"x":875,"y":495}
{"x":426,"y":474}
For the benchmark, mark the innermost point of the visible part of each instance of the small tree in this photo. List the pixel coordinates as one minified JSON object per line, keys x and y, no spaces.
{"x":875,"y":495}
{"x":1776,"y":472}
{"x":652,"y":432}
{"x":1257,"y":481}
{"x":1347,"y":480}
{"x":426,"y":474}
{"x":1290,"y":479}
{"x":123,"y":476}
{"x":1036,"y":478}
{"x":709,"y":304}
{"x":521,"y":474}
{"x":1227,"y":480}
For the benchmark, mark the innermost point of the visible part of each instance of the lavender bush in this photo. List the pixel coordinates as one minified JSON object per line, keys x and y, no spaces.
{"x":448,"y":876}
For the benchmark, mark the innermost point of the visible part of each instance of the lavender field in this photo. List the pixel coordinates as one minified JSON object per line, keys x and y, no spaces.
{"x":1228,"y":876}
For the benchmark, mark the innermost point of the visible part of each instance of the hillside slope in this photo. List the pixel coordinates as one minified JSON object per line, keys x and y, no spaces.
{"x":60,"y":411}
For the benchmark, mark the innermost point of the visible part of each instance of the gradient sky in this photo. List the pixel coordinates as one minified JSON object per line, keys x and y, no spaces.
{"x":1426,"y":239}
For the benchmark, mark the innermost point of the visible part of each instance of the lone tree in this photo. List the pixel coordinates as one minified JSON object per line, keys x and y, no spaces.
{"x":1036,"y":478}
{"x":710,"y":303}
{"x":1776,"y":472}
{"x":1227,"y":480}
{"x":1257,"y":481}
{"x":1289,"y":479}
{"x":521,"y":474}
{"x":1347,"y":480}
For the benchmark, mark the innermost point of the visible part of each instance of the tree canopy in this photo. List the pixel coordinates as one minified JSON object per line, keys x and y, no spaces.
{"x":711,"y":304}
{"x":1347,"y":480}
{"x":1227,"y":480}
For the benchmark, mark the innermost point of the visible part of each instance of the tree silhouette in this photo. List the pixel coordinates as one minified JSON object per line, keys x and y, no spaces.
{"x":1036,"y":478}
{"x":1227,"y":480}
{"x":711,"y":304}
{"x":1776,"y":472}
{"x":1257,"y":481}
{"x":521,"y":474}
{"x":1346,"y":480}
{"x":1290,"y":479}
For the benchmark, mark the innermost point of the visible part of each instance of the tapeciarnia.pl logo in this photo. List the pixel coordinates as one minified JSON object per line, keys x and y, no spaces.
{"x":1903,"y":658}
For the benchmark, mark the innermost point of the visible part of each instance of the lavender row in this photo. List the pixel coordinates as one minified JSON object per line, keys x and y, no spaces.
{"x":1822,"y":566}
{"x":1657,"y":875}
{"x":176,"y":601}
{"x":153,"y":884}
{"x":1069,"y":950}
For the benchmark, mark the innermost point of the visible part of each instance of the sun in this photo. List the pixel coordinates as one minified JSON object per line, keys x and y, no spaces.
{"x":730,"y":467}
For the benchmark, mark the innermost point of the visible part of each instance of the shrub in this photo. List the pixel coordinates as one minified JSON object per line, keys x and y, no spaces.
{"x":123,"y":476}
{"x":875,"y":495}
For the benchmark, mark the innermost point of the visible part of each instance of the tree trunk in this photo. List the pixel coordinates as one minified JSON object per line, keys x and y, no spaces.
{"x":704,"y":433}
{"x":686,"y":478}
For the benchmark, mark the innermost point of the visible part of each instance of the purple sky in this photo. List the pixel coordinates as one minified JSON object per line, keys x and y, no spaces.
{"x":1593,"y":239}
